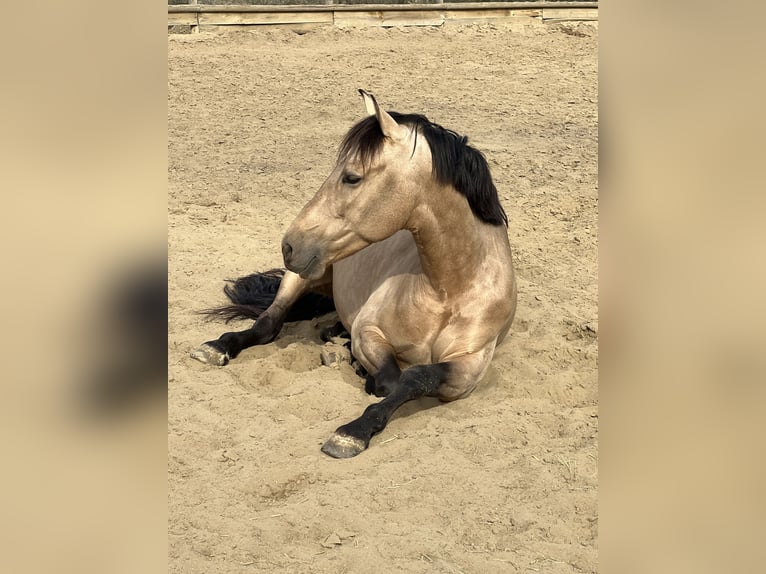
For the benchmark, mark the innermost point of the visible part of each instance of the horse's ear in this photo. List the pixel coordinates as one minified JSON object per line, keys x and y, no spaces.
{"x":387,"y":124}
{"x":369,"y":102}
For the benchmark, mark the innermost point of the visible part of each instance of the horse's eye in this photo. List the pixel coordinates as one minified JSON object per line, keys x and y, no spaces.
{"x":351,"y":179}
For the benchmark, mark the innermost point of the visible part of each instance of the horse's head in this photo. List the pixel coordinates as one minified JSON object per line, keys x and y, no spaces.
{"x":368,"y":197}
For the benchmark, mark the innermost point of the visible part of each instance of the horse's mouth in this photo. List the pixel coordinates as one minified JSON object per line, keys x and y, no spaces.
{"x":309,"y":270}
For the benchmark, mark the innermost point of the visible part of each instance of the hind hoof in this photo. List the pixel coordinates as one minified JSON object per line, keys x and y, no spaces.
{"x":210,"y":356}
{"x":343,"y":446}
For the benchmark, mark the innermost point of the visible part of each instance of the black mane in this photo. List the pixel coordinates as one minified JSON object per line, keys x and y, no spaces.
{"x":454,"y":161}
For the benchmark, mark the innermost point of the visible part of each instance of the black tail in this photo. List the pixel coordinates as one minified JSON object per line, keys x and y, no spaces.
{"x":252,"y":295}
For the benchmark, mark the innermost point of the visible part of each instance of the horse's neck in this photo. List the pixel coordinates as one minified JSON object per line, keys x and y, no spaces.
{"x":453,"y":244}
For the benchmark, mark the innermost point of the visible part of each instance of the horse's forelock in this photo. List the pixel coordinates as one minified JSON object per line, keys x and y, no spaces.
{"x":363,"y":141}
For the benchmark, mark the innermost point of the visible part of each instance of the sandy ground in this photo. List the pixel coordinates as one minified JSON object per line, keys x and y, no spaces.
{"x":503,"y":481}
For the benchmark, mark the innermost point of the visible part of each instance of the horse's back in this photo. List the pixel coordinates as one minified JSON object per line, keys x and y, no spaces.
{"x":357,"y":277}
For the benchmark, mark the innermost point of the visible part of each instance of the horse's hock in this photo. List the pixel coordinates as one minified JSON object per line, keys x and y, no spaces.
{"x":193,"y":16}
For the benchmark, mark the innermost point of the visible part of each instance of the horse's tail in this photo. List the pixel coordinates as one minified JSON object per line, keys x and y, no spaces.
{"x":253,"y":294}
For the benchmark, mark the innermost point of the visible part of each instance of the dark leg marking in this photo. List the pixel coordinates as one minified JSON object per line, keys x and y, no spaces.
{"x":270,"y":298}
{"x":359,"y":369}
{"x":229,"y":345}
{"x":352,"y":438}
{"x":337,"y":330}
{"x":384,"y":381}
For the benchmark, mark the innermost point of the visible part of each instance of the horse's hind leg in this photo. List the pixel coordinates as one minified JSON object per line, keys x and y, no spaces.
{"x":266,"y":327}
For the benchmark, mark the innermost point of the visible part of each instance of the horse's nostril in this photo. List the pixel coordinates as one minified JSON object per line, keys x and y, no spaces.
{"x":287,"y":251}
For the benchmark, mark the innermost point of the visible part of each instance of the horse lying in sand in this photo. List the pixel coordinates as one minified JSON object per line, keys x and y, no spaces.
{"x":408,"y":235}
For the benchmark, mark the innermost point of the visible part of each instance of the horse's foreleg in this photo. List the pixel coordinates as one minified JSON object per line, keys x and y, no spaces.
{"x":385,"y":380}
{"x":266,"y":327}
{"x":377,"y":357}
{"x":354,"y":437}
{"x":449,"y":380}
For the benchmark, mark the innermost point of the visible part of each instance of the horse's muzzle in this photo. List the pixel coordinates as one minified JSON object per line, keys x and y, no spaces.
{"x":304,"y":262}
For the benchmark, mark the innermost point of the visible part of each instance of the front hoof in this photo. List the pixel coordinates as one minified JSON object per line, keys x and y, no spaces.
{"x":343,"y":446}
{"x":210,"y":355}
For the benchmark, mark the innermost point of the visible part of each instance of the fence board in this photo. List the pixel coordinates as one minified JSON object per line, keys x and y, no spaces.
{"x":570,"y":14}
{"x":210,"y":17}
{"x":182,"y":19}
{"x":295,"y":26}
{"x":466,"y":16}
{"x":232,"y":18}
{"x":389,"y":18}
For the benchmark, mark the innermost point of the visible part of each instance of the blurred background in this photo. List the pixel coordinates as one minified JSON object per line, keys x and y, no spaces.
{"x":83,"y":156}
{"x":682,"y":279}
{"x":83,"y":415}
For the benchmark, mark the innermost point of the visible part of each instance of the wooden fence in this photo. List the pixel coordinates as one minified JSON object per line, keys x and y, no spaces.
{"x":207,"y":17}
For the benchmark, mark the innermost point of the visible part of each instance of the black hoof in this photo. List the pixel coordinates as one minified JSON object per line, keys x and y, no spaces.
{"x":337,"y":330}
{"x":210,"y":355}
{"x":343,"y":446}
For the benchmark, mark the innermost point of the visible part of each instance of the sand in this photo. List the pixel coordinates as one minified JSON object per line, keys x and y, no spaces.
{"x":503,"y":481}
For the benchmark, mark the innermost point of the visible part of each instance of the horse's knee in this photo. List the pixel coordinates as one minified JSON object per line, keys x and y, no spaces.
{"x":379,"y":388}
{"x":385,"y":379}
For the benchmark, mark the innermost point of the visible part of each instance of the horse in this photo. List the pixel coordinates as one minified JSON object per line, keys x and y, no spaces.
{"x":409,"y":237}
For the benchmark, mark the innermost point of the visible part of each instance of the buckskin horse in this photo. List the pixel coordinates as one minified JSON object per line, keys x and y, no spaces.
{"x":408,"y":235}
